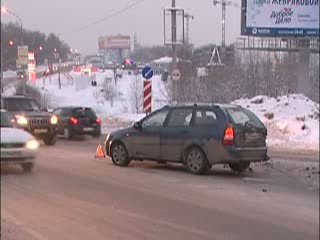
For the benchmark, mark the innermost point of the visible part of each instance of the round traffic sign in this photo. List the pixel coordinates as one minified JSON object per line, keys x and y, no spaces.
{"x":147,"y":72}
{"x":175,"y":75}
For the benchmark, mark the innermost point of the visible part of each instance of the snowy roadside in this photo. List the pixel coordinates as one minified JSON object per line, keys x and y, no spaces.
{"x":13,"y":231}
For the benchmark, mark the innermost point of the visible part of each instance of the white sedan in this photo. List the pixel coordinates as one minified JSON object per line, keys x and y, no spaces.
{"x":17,"y":146}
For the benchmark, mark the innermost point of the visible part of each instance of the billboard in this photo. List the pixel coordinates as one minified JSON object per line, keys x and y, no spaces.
{"x":280,"y":18}
{"x":22,"y":57}
{"x":115,"y":42}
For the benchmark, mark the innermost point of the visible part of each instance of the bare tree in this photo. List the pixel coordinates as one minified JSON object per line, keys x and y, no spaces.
{"x":136,"y":94}
{"x":110,"y":92}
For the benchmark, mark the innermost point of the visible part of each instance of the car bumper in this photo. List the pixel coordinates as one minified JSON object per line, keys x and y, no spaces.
{"x":81,"y":130}
{"x":41,"y":132}
{"x":250,"y":154}
{"x":17,"y":156}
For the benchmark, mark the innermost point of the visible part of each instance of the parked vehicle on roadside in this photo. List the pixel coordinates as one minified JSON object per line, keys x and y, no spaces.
{"x":17,"y":146}
{"x":77,"y":121}
{"x":197,"y":135}
{"x":32,"y":118}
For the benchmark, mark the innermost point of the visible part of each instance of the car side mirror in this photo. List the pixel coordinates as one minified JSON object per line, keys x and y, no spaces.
{"x":137,"y":125}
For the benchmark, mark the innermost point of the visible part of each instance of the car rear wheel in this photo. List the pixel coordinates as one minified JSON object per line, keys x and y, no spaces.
{"x":50,"y":140}
{"x":196,"y":161}
{"x":97,"y":133}
{"x":119,"y":155}
{"x":27,"y":167}
{"x":67,"y":134}
{"x":239,"y":167}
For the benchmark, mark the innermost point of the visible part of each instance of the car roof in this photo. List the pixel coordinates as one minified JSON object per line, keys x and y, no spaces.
{"x":15,"y":97}
{"x":72,"y":107}
{"x":224,"y":106}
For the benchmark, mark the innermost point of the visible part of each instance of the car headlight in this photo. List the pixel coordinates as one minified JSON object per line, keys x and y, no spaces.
{"x":32,"y":144}
{"x":54,"y":119}
{"x":21,"y":120}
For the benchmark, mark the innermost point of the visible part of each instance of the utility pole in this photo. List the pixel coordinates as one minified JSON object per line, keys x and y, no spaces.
{"x":188,"y":16}
{"x":59,"y":73}
{"x":174,"y":48}
{"x":174,"y":35}
{"x":224,"y":4}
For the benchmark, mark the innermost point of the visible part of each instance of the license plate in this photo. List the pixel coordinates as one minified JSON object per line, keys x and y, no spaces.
{"x":40,"y":130}
{"x":252,"y":136}
{"x":88,"y":129}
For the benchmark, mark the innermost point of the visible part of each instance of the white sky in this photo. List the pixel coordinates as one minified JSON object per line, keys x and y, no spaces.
{"x":146,"y":19}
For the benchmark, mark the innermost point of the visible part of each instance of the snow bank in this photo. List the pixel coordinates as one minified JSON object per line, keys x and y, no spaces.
{"x":292,"y":121}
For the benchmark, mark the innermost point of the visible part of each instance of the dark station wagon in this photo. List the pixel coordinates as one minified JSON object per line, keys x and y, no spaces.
{"x":197,"y":135}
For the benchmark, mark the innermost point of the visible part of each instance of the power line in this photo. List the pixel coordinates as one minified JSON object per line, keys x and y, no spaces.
{"x":114,"y":14}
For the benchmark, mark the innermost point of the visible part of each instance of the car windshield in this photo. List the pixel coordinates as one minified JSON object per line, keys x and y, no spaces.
{"x":16,"y":105}
{"x":5,"y":120}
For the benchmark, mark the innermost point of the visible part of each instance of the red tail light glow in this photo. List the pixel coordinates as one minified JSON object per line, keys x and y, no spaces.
{"x":98,"y":120}
{"x":228,"y":136}
{"x":74,"y":120}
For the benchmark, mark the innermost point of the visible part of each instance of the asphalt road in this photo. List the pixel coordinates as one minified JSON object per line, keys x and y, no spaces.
{"x":71,"y":195}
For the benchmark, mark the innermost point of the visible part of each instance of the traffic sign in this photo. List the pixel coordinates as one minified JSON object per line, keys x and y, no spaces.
{"x":147,"y":72}
{"x":175,"y":75}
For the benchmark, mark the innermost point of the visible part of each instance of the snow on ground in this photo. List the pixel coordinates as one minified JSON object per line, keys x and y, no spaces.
{"x":292,"y":121}
{"x":76,"y":90}
{"x":9,"y":74}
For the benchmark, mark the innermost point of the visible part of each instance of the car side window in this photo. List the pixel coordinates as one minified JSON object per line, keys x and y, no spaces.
{"x":205,"y":118}
{"x":155,"y":120}
{"x":180,"y":117}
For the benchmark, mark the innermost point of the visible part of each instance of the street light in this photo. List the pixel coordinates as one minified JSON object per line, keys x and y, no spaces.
{"x":5,"y":10}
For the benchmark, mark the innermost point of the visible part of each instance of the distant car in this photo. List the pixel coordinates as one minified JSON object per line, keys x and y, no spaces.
{"x":77,"y":121}
{"x":17,"y":146}
{"x":32,"y":118}
{"x":195,"y":135}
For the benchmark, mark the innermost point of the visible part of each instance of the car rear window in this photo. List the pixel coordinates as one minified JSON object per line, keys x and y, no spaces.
{"x":84,"y":112}
{"x":205,"y":118}
{"x":241,"y":116}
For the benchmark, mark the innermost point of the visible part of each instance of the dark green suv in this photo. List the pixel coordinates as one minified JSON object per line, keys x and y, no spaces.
{"x":197,"y":135}
{"x":32,"y":118}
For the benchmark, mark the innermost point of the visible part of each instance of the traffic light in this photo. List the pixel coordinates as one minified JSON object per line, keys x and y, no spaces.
{"x":11,"y":42}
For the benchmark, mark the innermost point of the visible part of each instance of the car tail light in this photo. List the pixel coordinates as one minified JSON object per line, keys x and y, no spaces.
{"x":98,"y":120}
{"x":74,"y":120}
{"x":228,"y":138}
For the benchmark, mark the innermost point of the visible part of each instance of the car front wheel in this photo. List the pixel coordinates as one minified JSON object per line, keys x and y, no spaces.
{"x":119,"y":155}
{"x":50,"y":140}
{"x":196,"y":161}
{"x":27,"y":167}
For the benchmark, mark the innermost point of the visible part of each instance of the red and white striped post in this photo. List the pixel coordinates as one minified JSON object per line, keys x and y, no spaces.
{"x":147,"y":93}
